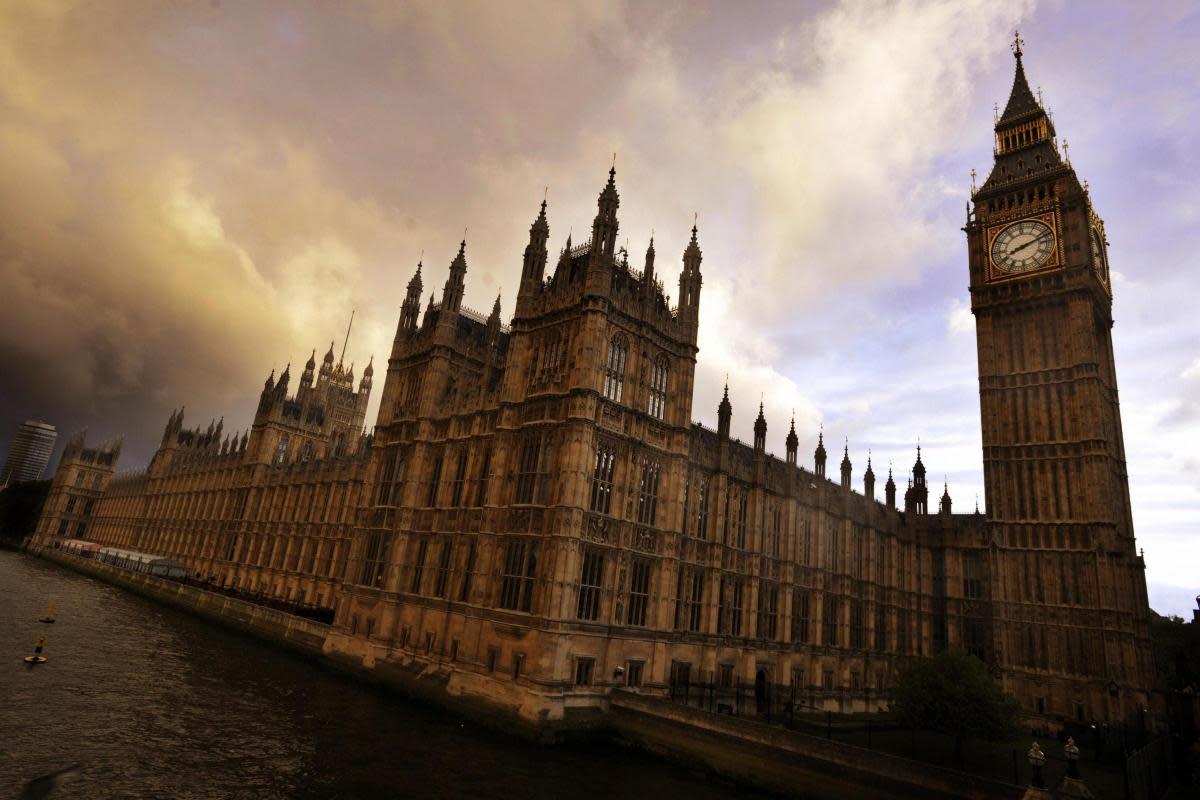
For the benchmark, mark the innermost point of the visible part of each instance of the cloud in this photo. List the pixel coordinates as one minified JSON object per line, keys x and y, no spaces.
{"x":196,"y":193}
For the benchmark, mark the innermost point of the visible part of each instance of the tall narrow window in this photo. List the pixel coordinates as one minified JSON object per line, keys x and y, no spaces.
{"x":696,"y":602}
{"x":881,"y":633}
{"x":602,"y":480}
{"x":533,"y":468}
{"x":725,"y":520}
{"x":829,"y":633}
{"x":776,"y":532}
{"x":591,"y":580}
{"x":680,"y":588}
{"x":385,"y":478}
{"x":723,"y":606}
{"x":375,"y":559}
{"x":658,"y":388}
{"x":687,"y":499}
{"x":481,"y":482}
{"x":741,"y":524}
{"x":419,"y":566}
{"x":443,"y":571}
{"x":460,"y":473}
{"x":464,"y":592}
{"x":614,"y":371}
{"x":972,"y":576}
{"x":858,"y":631}
{"x":768,"y":610}
{"x":702,"y":508}
{"x":520,"y":566}
{"x":639,"y":592}
{"x":435,"y":480}
{"x":735,"y":608}
{"x":281,"y":450}
{"x":800,"y":616}
{"x":648,"y":492}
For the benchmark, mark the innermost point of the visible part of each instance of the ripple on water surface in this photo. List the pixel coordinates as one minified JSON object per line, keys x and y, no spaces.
{"x":153,"y":703}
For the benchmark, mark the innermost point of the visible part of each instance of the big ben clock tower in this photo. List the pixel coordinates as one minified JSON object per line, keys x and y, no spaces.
{"x":1071,"y":633}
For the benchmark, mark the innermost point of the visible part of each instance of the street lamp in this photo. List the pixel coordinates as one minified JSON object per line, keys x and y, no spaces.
{"x":1072,"y":754}
{"x":1037,"y":759}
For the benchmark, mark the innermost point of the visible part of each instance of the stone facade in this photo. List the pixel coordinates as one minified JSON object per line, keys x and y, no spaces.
{"x":536,"y":519}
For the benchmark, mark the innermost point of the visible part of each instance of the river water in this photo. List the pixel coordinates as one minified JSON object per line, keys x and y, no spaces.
{"x":153,"y":703}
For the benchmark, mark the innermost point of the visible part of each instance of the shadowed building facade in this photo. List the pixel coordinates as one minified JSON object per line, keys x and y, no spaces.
{"x":537,"y":519}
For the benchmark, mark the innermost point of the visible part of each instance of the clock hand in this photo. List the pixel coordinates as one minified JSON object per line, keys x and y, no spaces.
{"x":1030,"y":243}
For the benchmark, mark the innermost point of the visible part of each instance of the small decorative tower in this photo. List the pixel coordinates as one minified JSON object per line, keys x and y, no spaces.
{"x":793,"y":443}
{"x":327,"y":364}
{"x":411,"y":309}
{"x":534,"y":267}
{"x":889,"y":491}
{"x":690,"y":281}
{"x":648,"y":289}
{"x":493,"y":323}
{"x":452,"y":295}
{"x":604,"y":227}
{"x":846,"y":466}
{"x":919,"y":489}
{"x":724,"y":414}
{"x":819,"y":455}
{"x":869,"y":479}
{"x":368,"y":374}
{"x":760,"y":431}
{"x":306,"y":378}
{"x":944,"y":508}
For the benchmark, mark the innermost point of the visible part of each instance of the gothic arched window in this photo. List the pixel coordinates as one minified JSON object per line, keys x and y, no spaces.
{"x":614,"y":371}
{"x":602,"y":479}
{"x":658,"y":388}
{"x":281,"y":450}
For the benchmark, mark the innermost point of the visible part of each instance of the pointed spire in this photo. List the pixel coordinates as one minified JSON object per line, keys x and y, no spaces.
{"x":311,"y":364}
{"x":692,"y":252}
{"x":760,"y":429}
{"x":604,"y":227}
{"x":793,"y":441}
{"x":410,"y":309}
{"x":648,"y":270}
{"x":533,"y":269}
{"x":1021,"y":100}
{"x":845,"y":465}
{"x":452,"y":295}
{"x":724,"y":413}
{"x":819,"y":454}
{"x":370,"y":370}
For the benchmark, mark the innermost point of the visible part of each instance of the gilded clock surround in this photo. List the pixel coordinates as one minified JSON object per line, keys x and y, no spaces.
{"x":1050,"y":220}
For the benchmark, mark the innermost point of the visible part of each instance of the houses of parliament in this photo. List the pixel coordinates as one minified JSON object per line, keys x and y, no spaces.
{"x":535,"y":519}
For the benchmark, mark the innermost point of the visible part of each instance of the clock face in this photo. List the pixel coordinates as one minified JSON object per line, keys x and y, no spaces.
{"x":1099,"y":258}
{"x":1023,"y":246}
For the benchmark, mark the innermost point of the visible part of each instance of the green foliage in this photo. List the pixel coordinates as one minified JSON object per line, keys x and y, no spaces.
{"x":20,"y":506}
{"x":954,"y":693}
{"x":1177,"y":651}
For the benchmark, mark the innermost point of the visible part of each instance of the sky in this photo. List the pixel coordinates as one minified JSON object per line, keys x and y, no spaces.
{"x":193,"y":194}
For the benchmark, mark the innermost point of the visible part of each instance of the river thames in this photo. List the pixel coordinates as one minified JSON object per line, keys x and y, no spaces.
{"x":151,"y":702}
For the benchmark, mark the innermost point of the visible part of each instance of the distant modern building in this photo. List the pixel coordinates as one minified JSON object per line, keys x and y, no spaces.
{"x":30,"y":452}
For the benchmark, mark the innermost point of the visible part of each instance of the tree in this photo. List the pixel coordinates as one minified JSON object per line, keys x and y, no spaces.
{"x":954,"y":693}
{"x":20,"y":507}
